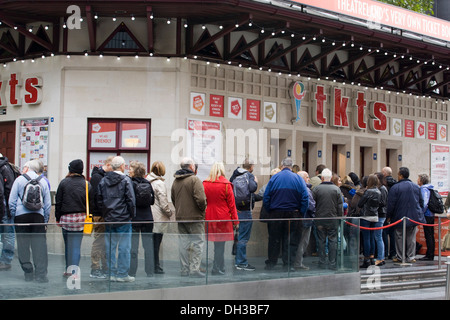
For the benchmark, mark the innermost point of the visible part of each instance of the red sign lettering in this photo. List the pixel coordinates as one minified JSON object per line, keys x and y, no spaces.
{"x":32,"y":93}
{"x":318,"y":116}
{"x":377,"y":113}
{"x":340,"y":109}
{"x":360,"y":106}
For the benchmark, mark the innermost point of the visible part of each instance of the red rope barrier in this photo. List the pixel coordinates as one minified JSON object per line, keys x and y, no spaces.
{"x":397,"y":222}
{"x":378,"y":228}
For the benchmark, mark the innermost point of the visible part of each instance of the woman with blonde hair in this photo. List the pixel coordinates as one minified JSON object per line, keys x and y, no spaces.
{"x":221,"y":206}
{"x":160,"y":209}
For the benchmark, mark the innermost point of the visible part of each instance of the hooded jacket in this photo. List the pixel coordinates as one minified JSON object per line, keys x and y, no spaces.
{"x":188,"y":196}
{"x":252,"y":186}
{"x":7,"y":180}
{"x":116,"y":198}
{"x":96,"y":176}
{"x":425,"y":189}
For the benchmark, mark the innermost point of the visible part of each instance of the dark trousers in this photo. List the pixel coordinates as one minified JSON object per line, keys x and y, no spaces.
{"x":32,"y":237}
{"x":429,"y":237}
{"x":157,"y":239}
{"x":144,"y":231}
{"x":284,"y":235}
{"x":219,"y":256}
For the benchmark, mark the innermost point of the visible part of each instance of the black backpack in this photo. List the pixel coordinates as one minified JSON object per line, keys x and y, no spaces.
{"x":32,"y":194}
{"x":435,"y":204}
{"x":144,"y":194}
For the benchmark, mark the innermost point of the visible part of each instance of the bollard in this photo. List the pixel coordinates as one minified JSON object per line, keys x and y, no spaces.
{"x":404,"y":241}
{"x":447,"y":286}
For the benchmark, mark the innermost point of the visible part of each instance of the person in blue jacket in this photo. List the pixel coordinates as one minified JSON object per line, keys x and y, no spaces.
{"x":405,"y":200}
{"x":424,"y":183}
{"x":286,"y":196}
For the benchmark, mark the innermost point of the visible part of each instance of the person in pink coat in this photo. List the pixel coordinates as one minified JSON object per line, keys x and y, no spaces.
{"x":221,"y":211}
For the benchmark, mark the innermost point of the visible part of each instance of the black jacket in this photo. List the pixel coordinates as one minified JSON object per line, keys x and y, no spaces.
{"x":370,"y":202}
{"x":71,"y":196}
{"x":142,"y":213}
{"x":96,"y":176}
{"x":7,"y":180}
{"x":116,"y":198}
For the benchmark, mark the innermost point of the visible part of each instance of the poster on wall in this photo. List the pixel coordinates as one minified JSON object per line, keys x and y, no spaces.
{"x":204,"y":144}
{"x":216,"y":105}
{"x":396,"y":127}
{"x":270,"y":112}
{"x":442,"y":132}
{"x":103,"y":134}
{"x":420,"y":129}
{"x":440,"y":168}
{"x":253,"y":110}
{"x":33,"y":141}
{"x":198,"y":103}
{"x":432,"y":131}
{"x":134,"y":135}
{"x":409,"y":128}
{"x":234,"y":108}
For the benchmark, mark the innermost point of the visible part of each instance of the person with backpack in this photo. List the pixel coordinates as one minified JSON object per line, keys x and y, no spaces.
{"x":70,"y":211}
{"x":424,"y":183}
{"x":244,"y":185}
{"x":286,"y":197}
{"x":405,"y":200}
{"x":116,"y":201}
{"x":145,"y":198}
{"x":30,"y":204}
{"x":8,"y":173}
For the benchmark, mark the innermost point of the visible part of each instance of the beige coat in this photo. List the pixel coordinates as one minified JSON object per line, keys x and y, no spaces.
{"x":161,"y":210}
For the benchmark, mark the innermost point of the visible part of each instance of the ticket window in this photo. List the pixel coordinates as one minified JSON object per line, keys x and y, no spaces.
{"x":338,"y":164}
{"x":366,"y":156}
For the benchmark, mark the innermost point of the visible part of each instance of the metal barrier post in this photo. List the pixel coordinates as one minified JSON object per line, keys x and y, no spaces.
{"x":404,"y":263}
{"x":447,"y":286}
{"x":439,"y":243}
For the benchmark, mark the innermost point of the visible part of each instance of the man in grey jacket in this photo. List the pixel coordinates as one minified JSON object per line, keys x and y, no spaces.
{"x":329,"y":204}
{"x":116,"y":200}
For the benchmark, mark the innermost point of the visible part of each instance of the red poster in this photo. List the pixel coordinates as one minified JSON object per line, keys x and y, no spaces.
{"x":253,"y":110}
{"x":216,"y":105}
{"x":432,"y":131}
{"x":409,"y":128}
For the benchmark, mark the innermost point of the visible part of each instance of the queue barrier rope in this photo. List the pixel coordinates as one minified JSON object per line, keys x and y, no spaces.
{"x":397,"y":222}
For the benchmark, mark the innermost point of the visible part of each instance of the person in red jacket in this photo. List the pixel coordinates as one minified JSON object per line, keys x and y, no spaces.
{"x":220,"y":206}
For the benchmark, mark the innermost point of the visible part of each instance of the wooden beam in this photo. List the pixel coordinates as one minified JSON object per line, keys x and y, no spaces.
{"x":23,"y":31}
{"x":92,"y":24}
{"x":150,"y":28}
{"x":220,"y":34}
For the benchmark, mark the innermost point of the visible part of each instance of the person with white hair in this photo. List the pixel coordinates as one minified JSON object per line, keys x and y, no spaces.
{"x":329,"y":204}
{"x":32,"y":235}
{"x":189,"y":199}
{"x":116,"y":201}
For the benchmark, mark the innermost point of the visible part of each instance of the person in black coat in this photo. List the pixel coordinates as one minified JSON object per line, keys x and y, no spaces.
{"x":144,"y":229}
{"x":70,"y":211}
{"x":405,"y":200}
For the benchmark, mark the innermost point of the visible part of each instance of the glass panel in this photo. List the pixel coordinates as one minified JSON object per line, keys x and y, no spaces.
{"x":189,"y":254}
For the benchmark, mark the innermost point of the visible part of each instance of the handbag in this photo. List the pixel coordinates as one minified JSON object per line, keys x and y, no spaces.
{"x":88,"y":226}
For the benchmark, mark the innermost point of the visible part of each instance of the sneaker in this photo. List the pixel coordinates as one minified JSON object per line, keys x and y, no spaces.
{"x":97,"y":274}
{"x":125,"y":279}
{"x":245,"y":267}
{"x":4,"y":266}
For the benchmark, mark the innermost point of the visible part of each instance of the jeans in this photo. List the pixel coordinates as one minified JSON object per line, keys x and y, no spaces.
{"x":378,"y":234}
{"x":118,"y":238}
{"x":245,"y":229}
{"x":72,"y":246}
{"x":8,"y":238}
{"x":373,"y":239}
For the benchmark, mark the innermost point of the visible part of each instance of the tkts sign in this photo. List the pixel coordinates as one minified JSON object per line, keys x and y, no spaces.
{"x":340,"y":106}
{"x":12,"y":95}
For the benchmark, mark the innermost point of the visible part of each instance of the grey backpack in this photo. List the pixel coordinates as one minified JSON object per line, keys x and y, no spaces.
{"x":32,"y":194}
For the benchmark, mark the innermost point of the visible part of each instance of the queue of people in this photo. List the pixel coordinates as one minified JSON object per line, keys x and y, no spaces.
{"x":136,"y":209}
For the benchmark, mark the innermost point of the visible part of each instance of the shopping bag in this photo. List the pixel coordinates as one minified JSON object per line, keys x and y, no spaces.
{"x":88,"y":226}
